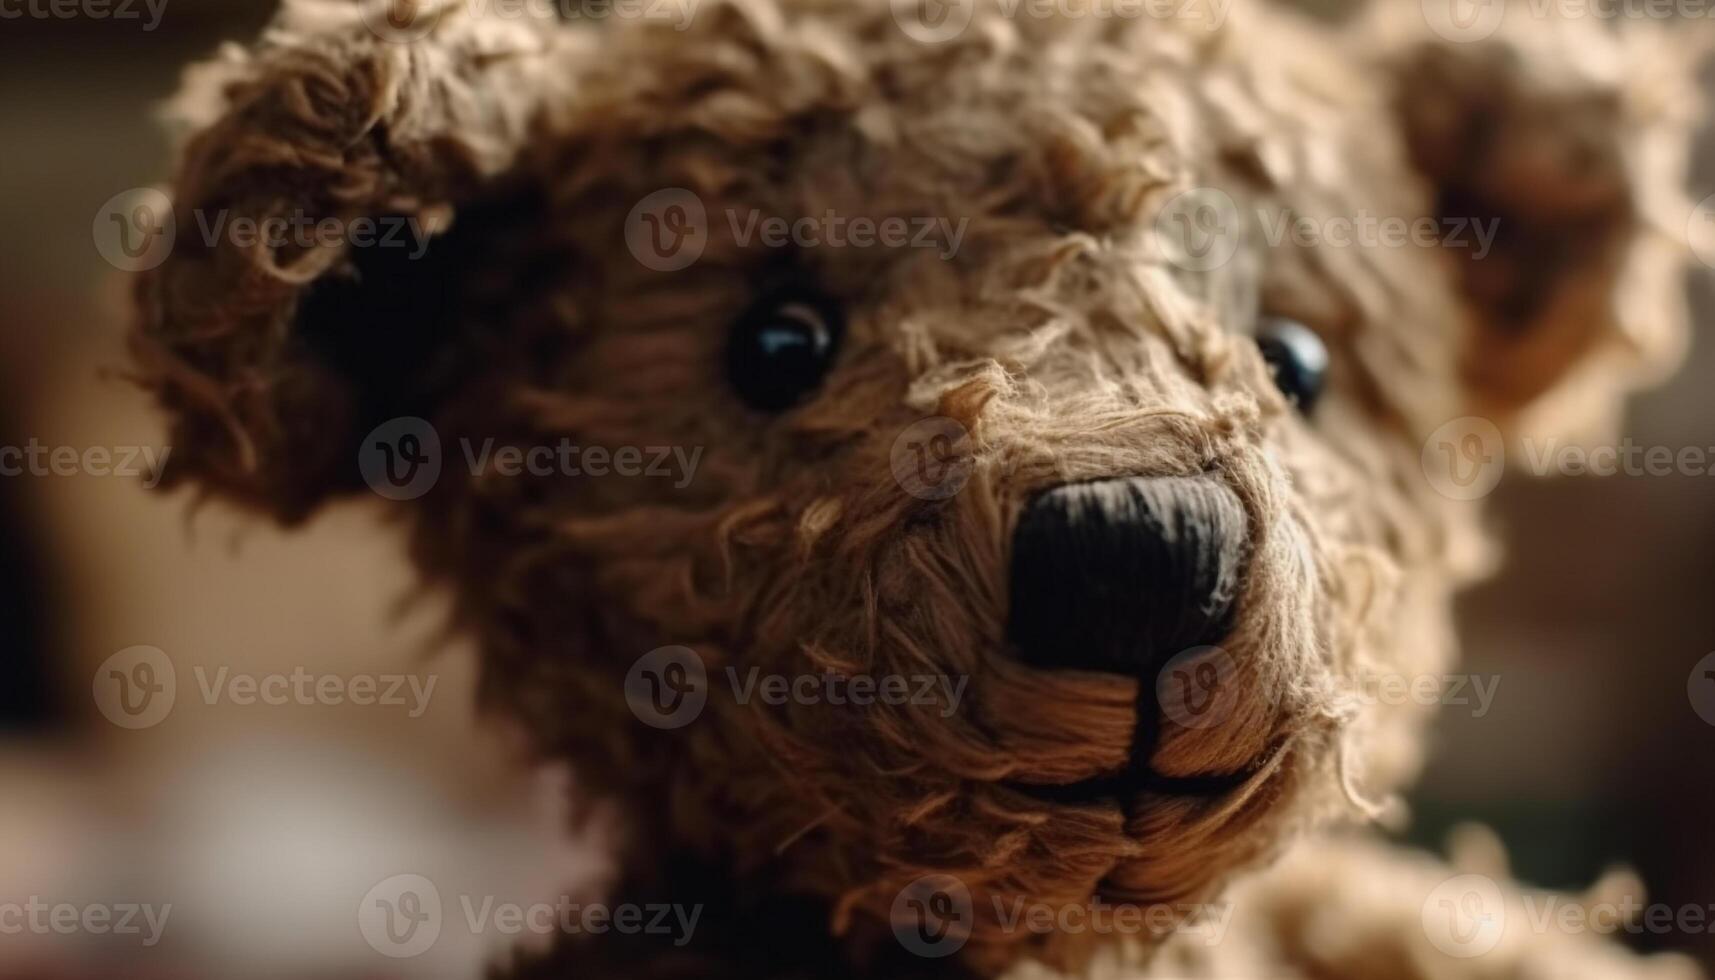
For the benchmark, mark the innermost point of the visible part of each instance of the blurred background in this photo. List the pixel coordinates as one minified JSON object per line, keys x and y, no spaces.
{"x":266,"y":826}
{"x":263,"y":826}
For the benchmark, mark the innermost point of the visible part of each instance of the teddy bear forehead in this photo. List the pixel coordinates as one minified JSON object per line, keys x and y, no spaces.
{"x":1044,"y":137}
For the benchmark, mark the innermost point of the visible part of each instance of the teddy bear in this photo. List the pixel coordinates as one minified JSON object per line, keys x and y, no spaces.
{"x":1084,"y":402}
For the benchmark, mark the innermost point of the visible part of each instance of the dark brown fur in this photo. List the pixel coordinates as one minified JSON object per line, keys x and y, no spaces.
{"x":1057,"y":336}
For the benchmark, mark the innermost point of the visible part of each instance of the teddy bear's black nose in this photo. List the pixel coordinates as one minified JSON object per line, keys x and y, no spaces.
{"x":1120,"y":575}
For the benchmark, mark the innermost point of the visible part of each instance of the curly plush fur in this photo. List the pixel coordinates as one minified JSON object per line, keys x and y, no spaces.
{"x":1354,"y":909}
{"x":1061,"y":336}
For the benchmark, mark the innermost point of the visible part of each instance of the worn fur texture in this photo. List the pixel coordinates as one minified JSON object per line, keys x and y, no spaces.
{"x":1061,"y":335}
{"x":1354,"y":909}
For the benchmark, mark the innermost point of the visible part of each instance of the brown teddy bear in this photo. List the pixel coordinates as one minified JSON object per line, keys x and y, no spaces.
{"x":1072,"y":407}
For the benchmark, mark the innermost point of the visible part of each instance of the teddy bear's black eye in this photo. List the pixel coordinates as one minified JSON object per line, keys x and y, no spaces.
{"x":781,"y":348}
{"x":1298,"y":359}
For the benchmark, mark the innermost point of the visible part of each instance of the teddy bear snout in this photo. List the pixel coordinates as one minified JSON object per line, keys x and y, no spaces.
{"x":1119,"y":575}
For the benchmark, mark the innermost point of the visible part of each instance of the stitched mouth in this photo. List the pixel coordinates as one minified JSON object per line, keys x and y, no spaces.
{"x":1125,"y":788}
{"x":1133,"y":577}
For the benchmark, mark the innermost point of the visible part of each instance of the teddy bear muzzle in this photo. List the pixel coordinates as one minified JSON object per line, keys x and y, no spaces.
{"x":1119,"y":575}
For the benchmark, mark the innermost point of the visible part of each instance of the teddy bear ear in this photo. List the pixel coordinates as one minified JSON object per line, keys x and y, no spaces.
{"x":324,"y":183}
{"x":1564,"y":145}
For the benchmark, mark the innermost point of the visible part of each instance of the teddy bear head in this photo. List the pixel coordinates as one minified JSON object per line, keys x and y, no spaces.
{"x":881,"y":444}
